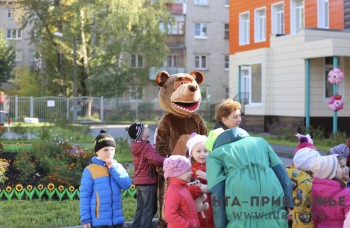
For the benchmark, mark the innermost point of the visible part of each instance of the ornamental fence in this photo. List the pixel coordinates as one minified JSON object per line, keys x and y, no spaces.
{"x":88,"y":109}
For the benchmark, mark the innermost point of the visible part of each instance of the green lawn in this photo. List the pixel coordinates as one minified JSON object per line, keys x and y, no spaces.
{"x":45,"y":214}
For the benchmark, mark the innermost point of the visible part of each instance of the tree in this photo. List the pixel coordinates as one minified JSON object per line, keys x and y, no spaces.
{"x":105,"y":32}
{"x":7,"y":58}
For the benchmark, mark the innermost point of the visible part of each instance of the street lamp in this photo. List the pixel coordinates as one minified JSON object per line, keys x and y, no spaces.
{"x":59,"y":34}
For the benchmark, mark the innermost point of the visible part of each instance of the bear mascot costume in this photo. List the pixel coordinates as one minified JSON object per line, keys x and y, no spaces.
{"x":180,"y":97}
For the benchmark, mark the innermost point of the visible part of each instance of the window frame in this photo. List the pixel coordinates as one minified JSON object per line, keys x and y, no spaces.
{"x":323,"y":14}
{"x":244,"y":32}
{"x":278,"y":26}
{"x":226,"y":3}
{"x":226,"y":31}
{"x":15,"y":34}
{"x":139,"y":61}
{"x":297,"y":11}
{"x":201,"y":65}
{"x":202,"y":34}
{"x":260,"y":24}
{"x":227,"y":62}
{"x":201,"y":2}
{"x":247,"y":84}
{"x":173,"y":58}
{"x":10,"y":13}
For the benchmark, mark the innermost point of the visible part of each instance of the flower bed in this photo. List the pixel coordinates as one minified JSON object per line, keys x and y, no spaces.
{"x":50,"y":192}
{"x":49,"y":169}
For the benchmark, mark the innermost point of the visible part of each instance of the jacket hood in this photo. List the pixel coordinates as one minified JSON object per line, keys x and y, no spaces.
{"x":229,"y":136}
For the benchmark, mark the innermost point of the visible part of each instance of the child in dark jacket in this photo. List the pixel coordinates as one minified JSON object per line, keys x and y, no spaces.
{"x":198,"y":154}
{"x":101,"y":186}
{"x":145,"y":158}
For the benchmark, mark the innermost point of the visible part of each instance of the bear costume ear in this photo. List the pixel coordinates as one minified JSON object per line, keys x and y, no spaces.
{"x":162,"y":77}
{"x":198,"y":76}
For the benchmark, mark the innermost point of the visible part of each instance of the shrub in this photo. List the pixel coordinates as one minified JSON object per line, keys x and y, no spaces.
{"x":54,"y":161}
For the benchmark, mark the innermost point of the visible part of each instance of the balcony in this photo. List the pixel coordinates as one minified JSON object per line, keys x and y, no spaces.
{"x":153,"y":71}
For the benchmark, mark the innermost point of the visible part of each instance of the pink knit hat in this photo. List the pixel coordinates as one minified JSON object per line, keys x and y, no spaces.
{"x":175,"y":166}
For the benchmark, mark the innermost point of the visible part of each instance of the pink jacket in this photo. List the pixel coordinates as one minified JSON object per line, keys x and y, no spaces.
{"x":145,"y":157}
{"x":330,"y":203}
{"x":179,"y":207}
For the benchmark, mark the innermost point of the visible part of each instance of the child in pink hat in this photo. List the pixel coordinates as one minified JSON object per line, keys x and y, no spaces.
{"x":331,"y":198}
{"x":179,"y":207}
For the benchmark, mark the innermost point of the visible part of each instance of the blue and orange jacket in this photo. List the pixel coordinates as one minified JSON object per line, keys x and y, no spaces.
{"x":100,"y":193}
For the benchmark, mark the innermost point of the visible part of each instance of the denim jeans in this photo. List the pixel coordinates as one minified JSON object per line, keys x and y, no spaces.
{"x":146,"y":206}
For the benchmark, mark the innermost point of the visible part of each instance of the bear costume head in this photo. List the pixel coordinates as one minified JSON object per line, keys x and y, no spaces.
{"x":180,"y":94}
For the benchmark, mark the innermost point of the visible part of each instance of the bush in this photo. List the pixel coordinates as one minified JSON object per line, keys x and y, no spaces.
{"x":54,"y":161}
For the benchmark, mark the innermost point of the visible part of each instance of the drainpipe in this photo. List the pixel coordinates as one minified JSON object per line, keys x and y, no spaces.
{"x":335,"y":91}
{"x":307,"y":95}
{"x":239,"y":84}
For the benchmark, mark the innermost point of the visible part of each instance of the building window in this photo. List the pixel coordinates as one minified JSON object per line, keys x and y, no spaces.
{"x":227,"y":34}
{"x":171,"y":60}
{"x":323,"y":14}
{"x":9,"y":13}
{"x":34,"y":56}
{"x":200,"y":62}
{"x":19,"y":55}
{"x":201,"y":2}
{"x":226,"y":3}
{"x":278,"y":18}
{"x":135,"y":93}
{"x":297,"y":15}
{"x":244,"y":28}
{"x":260,"y":25}
{"x":251,"y":88}
{"x":227,"y":93}
{"x":328,"y":66}
{"x":136,"y":61}
{"x":205,"y":93}
{"x":177,"y":28}
{"x":14,"y":34}
{"x":227,"y":62}
{"x":200,"y":30}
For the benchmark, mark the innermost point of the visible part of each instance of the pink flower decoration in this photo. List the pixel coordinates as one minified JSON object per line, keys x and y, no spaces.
{"x":336,"y":102}
{"x":335,"y":76}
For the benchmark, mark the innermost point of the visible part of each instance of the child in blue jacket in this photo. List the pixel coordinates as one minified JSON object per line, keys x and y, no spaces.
{"x":101,"y":185}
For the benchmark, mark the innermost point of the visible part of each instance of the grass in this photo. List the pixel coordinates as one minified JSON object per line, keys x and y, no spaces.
{"x":37,"y":214}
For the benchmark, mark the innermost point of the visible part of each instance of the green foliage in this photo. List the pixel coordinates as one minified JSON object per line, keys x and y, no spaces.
{"x":39,"y":213}
{"x":52,"y":161}
{"x":123,"y":151}
{"x":7,"y":58}
{"x":104,"y":34}
{"x":28,"y":83}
